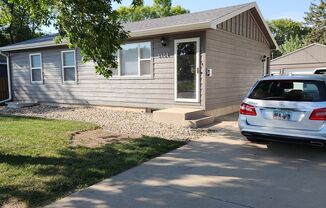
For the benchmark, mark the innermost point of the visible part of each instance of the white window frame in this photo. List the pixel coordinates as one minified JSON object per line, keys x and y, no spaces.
{"x":197,"y":80}
{"x":150,"y":59}
{"x":32,"y":68}
{"x":63,"y":67}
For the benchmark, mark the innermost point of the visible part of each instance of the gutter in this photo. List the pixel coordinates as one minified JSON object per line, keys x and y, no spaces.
{"x":9,"y":77}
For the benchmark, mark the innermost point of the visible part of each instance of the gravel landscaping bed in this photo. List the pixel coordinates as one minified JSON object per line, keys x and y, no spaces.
{"x":115,"y":121}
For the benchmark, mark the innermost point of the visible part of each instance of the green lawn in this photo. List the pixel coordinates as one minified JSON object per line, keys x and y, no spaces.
{"x":37,"y":164}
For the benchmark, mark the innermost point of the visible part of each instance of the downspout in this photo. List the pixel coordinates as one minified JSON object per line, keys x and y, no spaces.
{"x":9,"y":77}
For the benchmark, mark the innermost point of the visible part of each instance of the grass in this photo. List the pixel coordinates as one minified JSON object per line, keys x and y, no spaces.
{"x":37,"y":164}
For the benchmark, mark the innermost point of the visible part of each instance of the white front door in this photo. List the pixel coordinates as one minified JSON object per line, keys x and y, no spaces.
{"x":187,"y":69}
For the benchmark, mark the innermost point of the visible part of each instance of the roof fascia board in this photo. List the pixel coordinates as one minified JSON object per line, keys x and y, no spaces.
{"x":171,"y":29}
{"x":32,"y":45}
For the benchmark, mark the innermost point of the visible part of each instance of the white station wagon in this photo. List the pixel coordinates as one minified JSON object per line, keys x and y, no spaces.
{"x":286,"y":109}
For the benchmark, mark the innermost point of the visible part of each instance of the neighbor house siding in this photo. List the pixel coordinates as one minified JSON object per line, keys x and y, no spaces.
{"x":155,"y":92}
{"x":235,"y":59}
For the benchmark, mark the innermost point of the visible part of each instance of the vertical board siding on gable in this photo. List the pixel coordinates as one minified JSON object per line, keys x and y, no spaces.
{"x":245,"y":22}
{"x":235,"y":60}
{"x":157,"y":92}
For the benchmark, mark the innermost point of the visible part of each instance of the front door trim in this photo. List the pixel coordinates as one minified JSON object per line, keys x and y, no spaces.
{"x":197,"y":40}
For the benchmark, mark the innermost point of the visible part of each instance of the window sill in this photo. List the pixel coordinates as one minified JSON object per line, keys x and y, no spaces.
{"x":69,"y":83}
{"x":37,"y":83}
{"x":149,"y":77}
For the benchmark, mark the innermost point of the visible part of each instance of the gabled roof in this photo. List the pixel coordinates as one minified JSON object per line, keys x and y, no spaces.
{"x":180,"y":23}
{"x":313,"y":53}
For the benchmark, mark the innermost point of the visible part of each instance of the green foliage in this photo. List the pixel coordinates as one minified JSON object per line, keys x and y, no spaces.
{"x":38,"y":164}
{"x":316,"y":19}
{"x":284,"y":29}
{"x":292,"y":44}
{"x":94,"y":27}
{"x":160,"y":8}
{"x":287,"y":31}
{"x":19,"y":21}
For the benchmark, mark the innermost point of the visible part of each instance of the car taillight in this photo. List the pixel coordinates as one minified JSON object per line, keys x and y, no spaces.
{"x":246,"y":109}
{"x":318,"y":115}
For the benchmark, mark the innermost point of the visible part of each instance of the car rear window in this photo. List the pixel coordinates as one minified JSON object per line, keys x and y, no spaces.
{"x":320,"y":71}
{"x":290,"y":90}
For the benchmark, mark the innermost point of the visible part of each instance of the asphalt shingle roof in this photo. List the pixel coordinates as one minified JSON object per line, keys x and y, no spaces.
{"x":37,"y":40}
{"x":190,"y":18}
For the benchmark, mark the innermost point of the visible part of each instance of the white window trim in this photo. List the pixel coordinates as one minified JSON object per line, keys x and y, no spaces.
{"x":63,"y":67}
{"x":32,"y":68}
{"x":176,"y":42}
{"x":139,"y":76}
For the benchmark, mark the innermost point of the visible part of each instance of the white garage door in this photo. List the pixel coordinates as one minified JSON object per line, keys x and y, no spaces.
{"x":299,"y":71}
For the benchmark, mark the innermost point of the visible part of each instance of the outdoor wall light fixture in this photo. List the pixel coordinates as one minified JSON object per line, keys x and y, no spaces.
{"x":264,"y":58}
{"x":164,"y":42}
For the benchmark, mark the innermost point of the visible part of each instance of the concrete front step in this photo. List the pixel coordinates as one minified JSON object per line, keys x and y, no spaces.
{"x":182,"y":117}
{"x":197,"y":123}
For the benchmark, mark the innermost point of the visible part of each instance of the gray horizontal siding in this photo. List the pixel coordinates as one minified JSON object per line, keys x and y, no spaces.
{"x":156,"y":92}
{"x":234,"y":55}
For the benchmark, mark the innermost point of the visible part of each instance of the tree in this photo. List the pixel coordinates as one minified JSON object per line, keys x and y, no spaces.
{"x":292,"y":44}
{"x":160,"y":8}
{"x":92,"y":26}
{"x":17,"y":23}
{"x":285,"y":30}
{"x":316,"y":19}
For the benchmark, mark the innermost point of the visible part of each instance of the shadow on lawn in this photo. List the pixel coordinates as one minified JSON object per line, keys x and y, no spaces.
{"x":220,"y":171}
{"x":79,"y":167}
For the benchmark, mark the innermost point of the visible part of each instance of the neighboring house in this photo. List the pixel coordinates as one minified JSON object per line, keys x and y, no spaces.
{"x":206,"y":60}
{"x":302,"y":61}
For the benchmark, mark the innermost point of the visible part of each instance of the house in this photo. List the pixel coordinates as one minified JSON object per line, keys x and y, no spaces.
{"x":302,"y":61}
{"x":205,"y":61}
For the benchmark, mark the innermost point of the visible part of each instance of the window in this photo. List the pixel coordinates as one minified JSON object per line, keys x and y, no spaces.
{"x":69,"y":73}
{"x":134,"y":60}
{"x":290,"y":90}
{"x":36,"y":68}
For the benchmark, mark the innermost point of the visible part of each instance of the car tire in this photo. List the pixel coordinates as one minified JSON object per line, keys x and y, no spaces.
{"x":254,"y":140}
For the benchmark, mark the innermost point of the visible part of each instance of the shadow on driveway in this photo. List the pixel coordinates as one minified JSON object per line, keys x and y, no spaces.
{"x":222,"y":170}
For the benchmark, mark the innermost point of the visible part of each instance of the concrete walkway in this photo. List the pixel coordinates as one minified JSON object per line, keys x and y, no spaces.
{"x":223,"y":171}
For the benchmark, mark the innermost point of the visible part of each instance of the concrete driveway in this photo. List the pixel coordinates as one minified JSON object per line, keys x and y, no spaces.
{"x":222,"y":170}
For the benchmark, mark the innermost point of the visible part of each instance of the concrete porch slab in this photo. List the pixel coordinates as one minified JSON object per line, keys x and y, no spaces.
{"x":182,"y":117}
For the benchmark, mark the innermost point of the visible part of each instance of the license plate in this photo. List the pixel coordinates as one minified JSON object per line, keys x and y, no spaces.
{"x":282,"y":115}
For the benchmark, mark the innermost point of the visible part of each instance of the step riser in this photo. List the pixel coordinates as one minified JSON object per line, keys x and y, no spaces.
{"x":200,"y":122}
{"x":182,"y":117}
{"x":194,"y":115}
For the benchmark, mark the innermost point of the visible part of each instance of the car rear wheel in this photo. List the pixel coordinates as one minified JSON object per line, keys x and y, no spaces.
{"x":254,"y":140}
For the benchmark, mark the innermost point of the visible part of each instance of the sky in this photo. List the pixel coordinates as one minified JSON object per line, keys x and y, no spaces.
{"x":271,"y":9}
